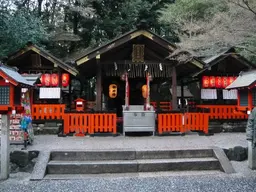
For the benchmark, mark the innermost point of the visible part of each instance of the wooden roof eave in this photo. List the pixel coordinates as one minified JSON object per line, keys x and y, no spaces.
{"x":8,"y":78}
{"x":47,"y":56}
{"x":123,"y":39}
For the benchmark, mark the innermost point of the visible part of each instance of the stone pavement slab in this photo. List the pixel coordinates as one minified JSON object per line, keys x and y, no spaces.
{"x":191,"y":141}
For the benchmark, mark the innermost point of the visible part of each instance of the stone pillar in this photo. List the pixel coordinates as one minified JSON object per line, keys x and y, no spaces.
{"x":251,"y":155}
{"x":5,"y":145}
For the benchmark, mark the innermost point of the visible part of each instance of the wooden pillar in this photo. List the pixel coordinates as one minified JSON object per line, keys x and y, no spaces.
{"x":70,"y":94}
{"x":238,"y":98}
{"x":98,"y":85}
{"x":60,"y":81}
{"x":174,"y":89}
{"x":250,"y":99}
{"x":182,"y":94}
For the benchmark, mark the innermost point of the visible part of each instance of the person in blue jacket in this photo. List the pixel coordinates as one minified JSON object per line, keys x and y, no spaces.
{"x":24,"y":123}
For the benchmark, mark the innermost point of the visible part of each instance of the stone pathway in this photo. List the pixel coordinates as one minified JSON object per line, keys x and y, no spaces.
{"x":222,"y":140}
{"x":243,"y":180}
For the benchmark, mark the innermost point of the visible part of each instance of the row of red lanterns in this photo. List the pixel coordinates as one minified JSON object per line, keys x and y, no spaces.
{"x":48,"y":80}
{"x":217,"y":82}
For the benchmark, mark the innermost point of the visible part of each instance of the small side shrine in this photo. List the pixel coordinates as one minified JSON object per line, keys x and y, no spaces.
{"x":246,"y":86}
{"x":54,"y":86}
{"x":53,"y":90}
{"x":219,"y":72}
{"x":15,"y":98}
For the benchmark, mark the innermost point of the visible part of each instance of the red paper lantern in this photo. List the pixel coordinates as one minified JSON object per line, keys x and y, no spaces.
{"x":46,"y":80}
{"x":205,"y":82}
{"x":54,"y":80}
{"x":218,"y":82}
{"x":224,"y":82}
{"x":231,"y":80}
{"x":212,"y":81}
{"x":65,"y":79}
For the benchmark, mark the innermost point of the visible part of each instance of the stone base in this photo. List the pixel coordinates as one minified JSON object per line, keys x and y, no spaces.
{"x":218,"y":126}
{"x":46,"y":130}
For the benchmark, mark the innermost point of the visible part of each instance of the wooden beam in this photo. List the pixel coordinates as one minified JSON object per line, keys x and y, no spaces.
{"x":174,"y":89}
{"x":126,"y":62}
{"x":98,"y":86}
{"x":182,"y":93}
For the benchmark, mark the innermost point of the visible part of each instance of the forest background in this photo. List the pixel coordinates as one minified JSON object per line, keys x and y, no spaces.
{"x":68,"y":28}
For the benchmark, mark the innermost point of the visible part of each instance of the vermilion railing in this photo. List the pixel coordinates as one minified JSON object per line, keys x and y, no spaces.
{"x":103,"y":123}
{"x":223,"y":112}
{"x":183,"y":122}
{"x":165,"y":106}
{"x":170,"y":122}
{"x":78,"y":123}
{"x":196,"y":122}
{"x":47,"y":111}
{"x":86,"y":123}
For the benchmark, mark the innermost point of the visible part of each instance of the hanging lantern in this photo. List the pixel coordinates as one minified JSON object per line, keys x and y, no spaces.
{"x":224,"y":82}
{"x":112,"y":91}
{"x":65,"y":79}
{"x":144,"y":91}
{"x":218,"y":82}
{"x":46,"y":80}
{"x":205,"y":82}
{"x":212,"y":81}
{"x":231,"y":80}
{"x":54,"y":80}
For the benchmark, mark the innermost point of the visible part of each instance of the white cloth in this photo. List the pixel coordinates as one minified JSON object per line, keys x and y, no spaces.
{"x":229,"y":94}
{"x":208,"y":93}
{"x":49,"y":93}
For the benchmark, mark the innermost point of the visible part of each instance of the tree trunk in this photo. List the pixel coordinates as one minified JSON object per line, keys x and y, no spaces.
{"x":39,"y":8}
{"x":53,"y":11}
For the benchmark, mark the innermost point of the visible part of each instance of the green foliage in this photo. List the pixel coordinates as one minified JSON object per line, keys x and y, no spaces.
{"x":19,"y":28}
{"x":248,"y":50}
{"x":184,"y":11}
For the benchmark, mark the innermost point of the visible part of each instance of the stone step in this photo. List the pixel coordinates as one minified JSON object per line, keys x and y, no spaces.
{"x":128,"y":154}
{"x":132,"y":175}
{"x":132,"y":166}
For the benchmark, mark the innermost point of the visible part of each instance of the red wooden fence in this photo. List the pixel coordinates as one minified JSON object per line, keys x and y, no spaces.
{"x":196,"y":122}
{"x":103,"y":123}
{"x":81,"y":123}
{"x":223,"y":112}
{"x":178,"y":122}
{"x":77,"y":122}
{"x":47,"y":111}
{"x":165,"y":106}
{"x":170,"y":122}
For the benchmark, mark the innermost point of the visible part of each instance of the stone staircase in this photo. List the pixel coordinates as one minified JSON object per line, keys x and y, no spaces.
{"x":69,"y":164}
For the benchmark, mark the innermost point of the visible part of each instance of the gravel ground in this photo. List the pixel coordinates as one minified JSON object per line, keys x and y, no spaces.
{"x":178,"y":183}
{"x":243,"y":180}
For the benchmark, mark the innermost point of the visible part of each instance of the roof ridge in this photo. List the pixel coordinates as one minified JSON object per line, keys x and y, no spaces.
{"x":8,"y":67}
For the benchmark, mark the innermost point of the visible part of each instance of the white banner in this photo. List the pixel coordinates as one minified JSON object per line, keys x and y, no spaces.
{"x":229,"y":94}
{"x":49,"y":93}
{"x":208,"y":93}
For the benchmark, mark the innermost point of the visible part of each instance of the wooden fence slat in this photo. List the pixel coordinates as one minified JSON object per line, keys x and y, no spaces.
{"x":169,"y":122}
{"x":223,"y":112}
